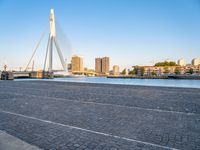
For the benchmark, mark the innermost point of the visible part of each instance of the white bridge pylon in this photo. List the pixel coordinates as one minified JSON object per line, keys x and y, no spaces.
{"x":53,"y":40}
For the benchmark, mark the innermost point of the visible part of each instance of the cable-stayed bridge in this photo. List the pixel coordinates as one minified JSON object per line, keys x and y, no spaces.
{"x":52,"y":45}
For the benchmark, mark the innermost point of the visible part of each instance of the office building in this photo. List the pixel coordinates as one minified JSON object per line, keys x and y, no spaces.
{"x":195,"y":61}
{"x":77,"y":64}
{"x":115,"y":70}
{"x":98,"y":65}
{"x":181,"y":62}
{"x":105,"y":65}
{"x":102,"y":65}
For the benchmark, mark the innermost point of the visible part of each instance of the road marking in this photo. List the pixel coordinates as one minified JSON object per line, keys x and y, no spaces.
{"x":107,"y":104}
{"x":86,"y":130}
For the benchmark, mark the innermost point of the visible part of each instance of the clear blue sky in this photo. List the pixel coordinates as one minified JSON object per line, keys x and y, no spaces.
{"x":130,"y":32}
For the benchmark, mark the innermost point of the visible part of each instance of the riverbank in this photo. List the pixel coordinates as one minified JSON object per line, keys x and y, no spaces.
{"x":66,"y":115}
{"x":127,"y":81}
{"x":181,"y":77}
{"x":137,"y":77}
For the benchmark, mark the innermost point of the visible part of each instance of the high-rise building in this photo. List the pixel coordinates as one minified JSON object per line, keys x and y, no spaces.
{"x":115,"y":70}
{"x":77,"y":64}
{"x":98,"y":65}
{"x":102,"y":65}
{"x":195,"y":61}
{"x":181,"y":62}
{"x":105,"y":65}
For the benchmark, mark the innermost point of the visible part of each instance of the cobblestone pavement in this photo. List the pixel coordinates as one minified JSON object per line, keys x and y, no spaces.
{"x":57,"y":115}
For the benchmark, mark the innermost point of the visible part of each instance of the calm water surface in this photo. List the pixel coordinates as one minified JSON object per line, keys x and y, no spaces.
{"x":145,"y":82}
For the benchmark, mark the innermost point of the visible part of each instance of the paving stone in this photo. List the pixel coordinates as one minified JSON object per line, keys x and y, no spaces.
{"x":134,"y":117}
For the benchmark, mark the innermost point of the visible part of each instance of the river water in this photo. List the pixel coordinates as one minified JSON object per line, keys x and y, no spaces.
{"x":144,"y":82}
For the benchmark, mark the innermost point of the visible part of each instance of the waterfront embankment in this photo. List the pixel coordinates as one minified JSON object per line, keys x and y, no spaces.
{"x":182,"y":77}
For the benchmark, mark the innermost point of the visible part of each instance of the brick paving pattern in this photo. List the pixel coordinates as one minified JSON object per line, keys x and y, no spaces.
{"x":57,"y":115}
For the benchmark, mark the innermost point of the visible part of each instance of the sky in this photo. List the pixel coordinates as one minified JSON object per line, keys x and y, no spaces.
{"x":130,"y":32}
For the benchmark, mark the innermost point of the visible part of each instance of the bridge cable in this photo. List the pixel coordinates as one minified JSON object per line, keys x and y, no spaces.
{"x":46,"y":53}
{"x":60,"y":54}
{"x":35,"y":49}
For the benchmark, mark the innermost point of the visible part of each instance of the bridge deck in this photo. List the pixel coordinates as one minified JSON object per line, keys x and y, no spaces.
{"x":21,"y":74}
{"x":55,"y":115}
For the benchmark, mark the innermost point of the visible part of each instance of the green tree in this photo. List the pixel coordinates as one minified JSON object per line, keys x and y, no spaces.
{"x":132,"y":72}
{"x":136,"y":68}
{"x":154,"y":73}
{"x":124,"y":72}
{"x":191,"y":71}
{"x":171,"y":63}
{"x":165,"y":63}
{"x":166,"y":70}
{"x":177,"y":70}
{"x":142,"y":70}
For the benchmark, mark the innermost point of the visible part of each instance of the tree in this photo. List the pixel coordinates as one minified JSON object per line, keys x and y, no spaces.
{"x":177,"y":70}
{"x":136,"y":68}
{"x":154,"y":73}
{"x":166,"y":70}
{"x":124,"y":72}
{"x":132,"y":72}
{"x":171,"y":63}
{"x":165,"y":63}
{"x":142,"y":70}
{"x":191,"y":71}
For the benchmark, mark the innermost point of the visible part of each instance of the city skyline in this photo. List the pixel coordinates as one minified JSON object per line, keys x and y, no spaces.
{"x":134,"y":32}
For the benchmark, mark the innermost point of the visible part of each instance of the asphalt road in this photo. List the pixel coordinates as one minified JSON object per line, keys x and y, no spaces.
{"x":57,"y":115}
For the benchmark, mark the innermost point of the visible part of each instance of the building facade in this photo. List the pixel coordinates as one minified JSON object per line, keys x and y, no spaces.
{"x":77,"y":64}
{"x":158,"y":71}
{"x":165,"y":70}
{"x":102,"y":65}
{"x":195,"y":61}
{"x":181,"y":62}
{"x":115,"y":70}
{"x":98,"y":65}
{"x":105,"y":65}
